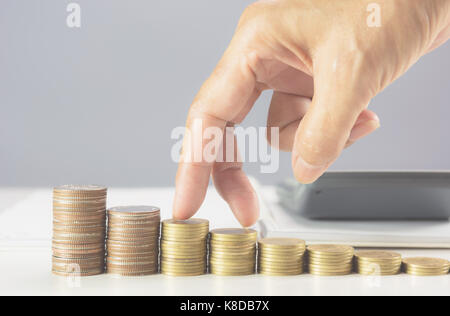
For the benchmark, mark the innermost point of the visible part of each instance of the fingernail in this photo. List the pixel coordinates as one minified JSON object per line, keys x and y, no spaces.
{"x":306,"y":172}
{"x":363,"y":129}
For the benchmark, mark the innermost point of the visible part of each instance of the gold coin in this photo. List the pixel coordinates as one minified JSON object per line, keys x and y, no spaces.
{"x":233,"y":234}
{"x":184,"y":244}
{"x":76,"y":188}
{"x":132,"y":270}
{"x":376,"y":255}
{"x":285,"y":273}
{"x":186,"y":227}
{"x":181,"y":274}
{"x":77,"y":255}
{"x":283,"y":268}
{"x":428,"y":263}
{"x":184,"y":252}
{"x":231,"y":273}
{"x":281,"y":243}
{"x":320,"y":273}
{"x":330,"y":268}
{"x":330,"y":249}
{"x":131,"y":274}
{"x":280,"y":254}
{"x":266,"y":256}
{"x":229,"y":266}
{"x":232,"y":247}
{"x":134,"y":211}
{"x":330,"y":262}
{"x":182,"y":270}
{"x":185,"y":224}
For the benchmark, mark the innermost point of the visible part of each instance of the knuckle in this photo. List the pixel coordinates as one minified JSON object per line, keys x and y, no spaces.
{"x":254,"y":14}
{"x":251,"y":11}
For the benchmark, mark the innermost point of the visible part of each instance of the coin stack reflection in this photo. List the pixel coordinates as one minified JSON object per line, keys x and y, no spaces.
{"x":374,"y":262}
{"x":281,"y":256}
{"x":133,"y":240}
{"x":232,"y":251}
{"x":426,"y":266}
{"x":184,"y":247}
{"x":330,"y":260}
{"x":79,"y":219}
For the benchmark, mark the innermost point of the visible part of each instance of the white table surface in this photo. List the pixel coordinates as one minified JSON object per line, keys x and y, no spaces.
{"x":25,"y":258}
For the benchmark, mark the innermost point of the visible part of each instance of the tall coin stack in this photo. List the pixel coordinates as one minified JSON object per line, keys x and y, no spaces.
{"x":374,"y":262}
{"x":79,"y":219}
{"x":183,"y":247}
{"x":330,"y":260}
{"x":426,"y":266}
{"x":133,"y":240}
{"x":232,"y":251}
{"x":281,"y":256}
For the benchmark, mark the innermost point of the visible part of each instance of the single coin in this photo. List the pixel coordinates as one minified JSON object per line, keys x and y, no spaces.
{"x":134,"y":210}
{"x":231,"y":273}
{"x":181,"y":274}
{"x":79,"y":188}
{"x":377,"y":255}
{"x":281,"y":243}
{"x":185,"y":224}
{"x":233,"y":234}
{"x":331,"y":250}
{"x":272,"y":273}
{"x":131,"y":274}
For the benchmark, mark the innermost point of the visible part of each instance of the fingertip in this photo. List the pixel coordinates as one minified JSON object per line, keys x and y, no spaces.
{"x":305,"y":172}
{"x":247,"y":217}
{"x":180,"y":209}
{"x":363,"y":129}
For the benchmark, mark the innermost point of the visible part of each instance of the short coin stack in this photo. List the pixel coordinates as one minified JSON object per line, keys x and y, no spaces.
{"x":330,"y":260}
{"x":232,"y":251}
{"x":281,"y":256}
{"x":133,"y":240}
{"x":426,"y":266}
{"x":79,"y":219}
{"x":184,"y":247}
{"x":373,"y":262}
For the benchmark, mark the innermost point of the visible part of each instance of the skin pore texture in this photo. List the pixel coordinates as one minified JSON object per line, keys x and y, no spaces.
{"x":325,"y":64}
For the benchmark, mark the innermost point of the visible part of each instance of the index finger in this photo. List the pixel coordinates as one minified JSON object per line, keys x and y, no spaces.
{"x":226,"y":96}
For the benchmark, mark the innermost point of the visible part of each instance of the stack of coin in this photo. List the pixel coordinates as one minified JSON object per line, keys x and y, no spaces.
{"x":281,"y":256}
{"x":79,"y":220}
{"x":232,"y":251}
{"x":133,"y":240}
{"x":183,"y":247}
{"x":426,"y":266}
{"x":330,"y":260}
{"x":372,"y":262}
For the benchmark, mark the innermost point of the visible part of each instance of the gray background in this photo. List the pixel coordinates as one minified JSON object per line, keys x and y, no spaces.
{"x":98,"y":104}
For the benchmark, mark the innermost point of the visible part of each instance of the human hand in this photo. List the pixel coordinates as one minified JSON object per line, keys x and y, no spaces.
{"x":324,"y":64}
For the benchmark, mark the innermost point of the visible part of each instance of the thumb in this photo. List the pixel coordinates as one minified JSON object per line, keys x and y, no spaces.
{"x":339,"y":99}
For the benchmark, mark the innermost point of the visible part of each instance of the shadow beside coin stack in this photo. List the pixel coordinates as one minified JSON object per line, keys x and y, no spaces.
{"x":79,"y":219}
{"x":232,"y":251}
{"x":133,"y":240}
{"x":184,"y":247}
